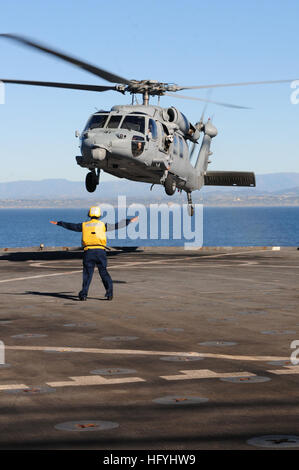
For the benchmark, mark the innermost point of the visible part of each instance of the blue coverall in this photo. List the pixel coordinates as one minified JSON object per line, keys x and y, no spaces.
{"x":95,"y":257}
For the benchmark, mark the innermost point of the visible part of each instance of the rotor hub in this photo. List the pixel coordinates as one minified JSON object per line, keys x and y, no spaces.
{"x":150,"y":87}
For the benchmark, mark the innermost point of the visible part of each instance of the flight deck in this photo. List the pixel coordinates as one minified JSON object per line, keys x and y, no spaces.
{"x":197,"y":350}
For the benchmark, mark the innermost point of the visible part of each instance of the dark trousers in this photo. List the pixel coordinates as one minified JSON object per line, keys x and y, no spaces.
{"x":91,"y":258}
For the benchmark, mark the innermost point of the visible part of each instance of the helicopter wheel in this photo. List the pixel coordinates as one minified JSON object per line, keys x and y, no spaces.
{"x":91,"y":181}
{"x":170,"y":186}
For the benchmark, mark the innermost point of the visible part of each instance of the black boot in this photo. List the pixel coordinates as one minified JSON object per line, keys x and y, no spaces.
{"x":82,"y":296}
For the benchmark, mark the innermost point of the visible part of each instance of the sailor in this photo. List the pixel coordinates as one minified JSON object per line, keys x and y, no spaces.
{"x":94,"y":243}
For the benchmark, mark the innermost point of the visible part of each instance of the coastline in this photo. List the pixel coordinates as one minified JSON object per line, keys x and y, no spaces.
{"x":82,"y":203}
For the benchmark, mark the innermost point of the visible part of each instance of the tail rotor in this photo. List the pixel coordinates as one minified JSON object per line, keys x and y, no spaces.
{"x":199,"y":126}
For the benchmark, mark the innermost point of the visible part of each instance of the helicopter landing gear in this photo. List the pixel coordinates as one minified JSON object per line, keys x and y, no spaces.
{"x":169,"y":185}
{"x":190,"y":205}
{"x":91,"y":181}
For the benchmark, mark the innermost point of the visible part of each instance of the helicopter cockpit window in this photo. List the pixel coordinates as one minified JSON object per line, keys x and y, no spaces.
{"x":113,"y":122}
{"x":133,"y":123}
{"x":152,"y":129}
{"x":96,"y":121}
{"x":138,"y":144}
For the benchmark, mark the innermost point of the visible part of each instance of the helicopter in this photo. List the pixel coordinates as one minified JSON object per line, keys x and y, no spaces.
{"x":143,"y":142}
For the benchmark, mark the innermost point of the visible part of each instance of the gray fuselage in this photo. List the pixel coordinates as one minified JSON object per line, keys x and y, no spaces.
{"x":141,"y":144}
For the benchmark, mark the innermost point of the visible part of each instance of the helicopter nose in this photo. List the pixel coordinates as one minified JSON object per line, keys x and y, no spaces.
{"x":98,"y":153}
{"x":90,"y":151}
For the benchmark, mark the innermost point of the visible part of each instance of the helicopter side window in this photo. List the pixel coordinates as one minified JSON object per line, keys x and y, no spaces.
{"x":152,"y":129}
{"x":133,"y":123}
{"x":114,"y":122}
{"x":187,"y":124}
{"x":175,"y":145}
{"x":181,"y":147}
{"x":96,"y":121}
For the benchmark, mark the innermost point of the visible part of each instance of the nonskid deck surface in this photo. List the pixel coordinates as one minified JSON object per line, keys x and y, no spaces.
{"x":192,"y":353}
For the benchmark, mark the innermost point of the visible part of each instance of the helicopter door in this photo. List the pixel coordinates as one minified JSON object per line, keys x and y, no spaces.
{"x":152,"y":135}
{"x":152,"y":131}
{"x":163,"y":141}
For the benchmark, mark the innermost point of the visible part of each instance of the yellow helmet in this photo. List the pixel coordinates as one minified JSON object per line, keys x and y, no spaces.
{"x":94,"y":211}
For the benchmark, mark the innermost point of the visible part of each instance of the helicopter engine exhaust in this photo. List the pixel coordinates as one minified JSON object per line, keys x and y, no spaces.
{"x":178,"y":118}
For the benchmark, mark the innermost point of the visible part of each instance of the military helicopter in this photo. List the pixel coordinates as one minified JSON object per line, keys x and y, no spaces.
{"x":141,"y":142}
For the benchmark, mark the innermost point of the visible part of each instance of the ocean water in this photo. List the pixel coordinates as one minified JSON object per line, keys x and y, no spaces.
{"x":222,"y":226}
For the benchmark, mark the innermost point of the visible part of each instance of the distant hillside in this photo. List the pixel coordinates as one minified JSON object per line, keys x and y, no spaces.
{"x":277,"y":181}
{"x":64,"y":189}
{"x":271,"y":190}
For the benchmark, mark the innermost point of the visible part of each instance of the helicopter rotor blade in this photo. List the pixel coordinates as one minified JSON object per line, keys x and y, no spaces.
{"x":227,"y":105}
{"x":73,"y":86}
{"x":199,"y":125}
{"x":221,"y":85}
{"x":110,"y":77}
{"x":205,"y":108}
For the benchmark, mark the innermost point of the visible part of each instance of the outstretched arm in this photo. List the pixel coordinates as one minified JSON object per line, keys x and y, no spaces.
{"x":68,"y":225}
{"x":109,"y":227}
{"x":123,"y":223}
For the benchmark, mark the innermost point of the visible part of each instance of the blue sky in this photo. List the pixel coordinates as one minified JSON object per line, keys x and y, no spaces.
{"x":185,"y":42}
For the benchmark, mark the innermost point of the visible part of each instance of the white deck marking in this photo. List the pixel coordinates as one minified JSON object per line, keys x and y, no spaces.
{"x":94,"y":380}
{"x":101,"y":351}
{"x":205,"y":374}
{"x":236,"y":253}
{"x":138,"y":352}
{"x":86,"y":381}
{"x":142,"y":263}
{"x":13,"y":387}
{"x":80,"y":271}
{"x":39,"y":276}
{"x":286,"y":370}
